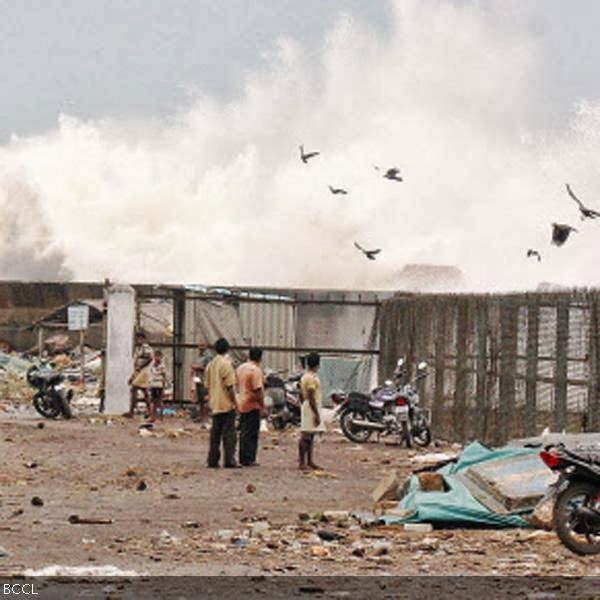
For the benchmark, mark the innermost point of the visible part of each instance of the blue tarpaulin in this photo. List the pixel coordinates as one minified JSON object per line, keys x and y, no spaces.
{"x":457,"y":506}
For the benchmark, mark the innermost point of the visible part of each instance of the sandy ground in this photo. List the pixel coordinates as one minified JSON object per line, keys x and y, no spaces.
{"x":171,"y":515}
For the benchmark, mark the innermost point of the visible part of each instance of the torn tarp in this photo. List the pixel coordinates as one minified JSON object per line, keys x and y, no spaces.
{"x":506,"y":494}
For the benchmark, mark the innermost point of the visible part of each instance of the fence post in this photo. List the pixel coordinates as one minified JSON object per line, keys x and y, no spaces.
{"x":440,"y":365}
{"x":508,"y":362}
{"x":593,"y":408}
{"x":481,"y":368}
{"x":460,"y":389}
{"x":178,"y":338}
{"x":560,"y":375}
{"x":533,"y":313}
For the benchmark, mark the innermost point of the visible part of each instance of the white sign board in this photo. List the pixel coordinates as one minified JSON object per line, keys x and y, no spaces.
{"x":79,"y":317}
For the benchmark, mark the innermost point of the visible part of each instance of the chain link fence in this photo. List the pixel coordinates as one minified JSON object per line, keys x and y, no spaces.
{"x":501,"y":366}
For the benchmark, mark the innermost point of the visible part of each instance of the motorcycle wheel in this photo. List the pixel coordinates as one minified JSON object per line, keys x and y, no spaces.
{"x":65,"y":406}
{"x":566,"y":524}
{"x":406,"y":434}
{"x":422,"y":436}
{"x":46,"y":406}
{"x":353,"y":433}
{"x":278,"y":423}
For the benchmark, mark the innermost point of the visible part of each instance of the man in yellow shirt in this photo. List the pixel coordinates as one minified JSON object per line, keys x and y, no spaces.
{"x":219,"y":380}
{"x":310,"y":412}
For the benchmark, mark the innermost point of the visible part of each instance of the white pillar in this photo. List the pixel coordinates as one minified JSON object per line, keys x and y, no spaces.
{"x":119,"y":348}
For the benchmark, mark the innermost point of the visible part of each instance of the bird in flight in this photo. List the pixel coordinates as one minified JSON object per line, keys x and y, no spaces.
{"x":560,"y":233}
{"x":532,"y":252}
{"x":306,"y":156}
{"x":370,"y":254}
{"x":337,"y":190}
{"x":586,"y":213}
{"x":393,"y":174}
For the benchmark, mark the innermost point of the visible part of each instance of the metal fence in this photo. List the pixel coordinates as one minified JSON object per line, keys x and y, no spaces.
{"x":501,"y":366}
{"x":287,"y":324}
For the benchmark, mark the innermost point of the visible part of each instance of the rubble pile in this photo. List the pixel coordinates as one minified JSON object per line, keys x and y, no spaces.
{"x":16,"y":393}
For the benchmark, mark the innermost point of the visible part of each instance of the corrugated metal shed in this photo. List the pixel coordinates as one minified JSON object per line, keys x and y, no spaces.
{"x":272,"y":324}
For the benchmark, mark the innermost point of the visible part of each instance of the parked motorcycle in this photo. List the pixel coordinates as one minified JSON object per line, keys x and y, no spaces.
{"x":51,"y":398}
{"x":577,"y":503}
{"x":392,"y":408}
{"x":282,"y":400}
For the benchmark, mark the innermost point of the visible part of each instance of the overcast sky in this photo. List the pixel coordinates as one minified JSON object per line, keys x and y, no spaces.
{"x":96,"y":58}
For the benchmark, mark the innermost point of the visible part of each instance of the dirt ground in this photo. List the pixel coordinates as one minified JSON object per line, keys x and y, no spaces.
{"x":169,"y":514}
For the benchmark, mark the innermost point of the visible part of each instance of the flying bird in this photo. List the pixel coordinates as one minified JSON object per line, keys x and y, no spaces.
{"x":560,"y":233}
{"x":306,"y":156}
{"x":337,"y":190}
{"x":586,"y":213}
{"x":393,"y":174}
{"x":370,"y":254}
{"x":532,"y":252}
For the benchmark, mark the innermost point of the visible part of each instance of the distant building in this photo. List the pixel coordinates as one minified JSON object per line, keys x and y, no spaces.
{"x":430,"y":278}
{"x":547,"y":287}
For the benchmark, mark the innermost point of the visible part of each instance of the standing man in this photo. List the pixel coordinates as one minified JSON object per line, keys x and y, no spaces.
{"x":251,"y":403}
{"x":310,"y":419}
{"x":197,"y":387}
{"x":140,"y":378}
{"x":219,"y":380}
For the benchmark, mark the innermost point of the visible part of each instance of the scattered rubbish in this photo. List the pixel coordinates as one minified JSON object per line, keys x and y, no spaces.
{"x":381,"y":548}
{"x":141,"y":486}
{"x":4,"y":553}
{"x":329,"y":536}
{"x":319,"y":551}
{"x":431,"y":482}
{"x":37,"y":501}
{"x":41,"y":425}
{"x":191,"y":525}
{"x":237,"y":509}
{"x":85,"y":571}
{"x":250,"y":488}
{"x":496,"y":487}
{"x":336,"y":515}
{"x":303,"y":516}
{"x":77,"y":520}
{"x":260,"y":527}
{"x":418,"y":527}
{"x":31,"y":465}
{"x":17,"y":513}
{"x":225,"y":534}
{"x":172,"y":496}
{"x":387,"y":488}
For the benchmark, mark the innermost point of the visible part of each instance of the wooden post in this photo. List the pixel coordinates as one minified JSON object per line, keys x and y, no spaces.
{"x":82,"y":357}
{"x":40,"y":340}
{"x":178,"y":338}
{"x":533,"y":314}
{"x":560,"y":375}
{"x":509,"y":312}
{"x":459,"y":407}
{"x":593,"y":407}
{"x":440,"y":367}
{"x":481,"y":368}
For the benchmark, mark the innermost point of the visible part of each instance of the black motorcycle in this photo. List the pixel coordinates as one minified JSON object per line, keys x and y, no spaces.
{"x":392,"y":408}
{"x":51,"y":398}
{"x":282,"y":400}
{"x":577,"y":503}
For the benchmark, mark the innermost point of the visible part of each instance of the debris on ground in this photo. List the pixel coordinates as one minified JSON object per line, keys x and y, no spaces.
{"x":496,"y":487}
{"x":77,"y":520}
